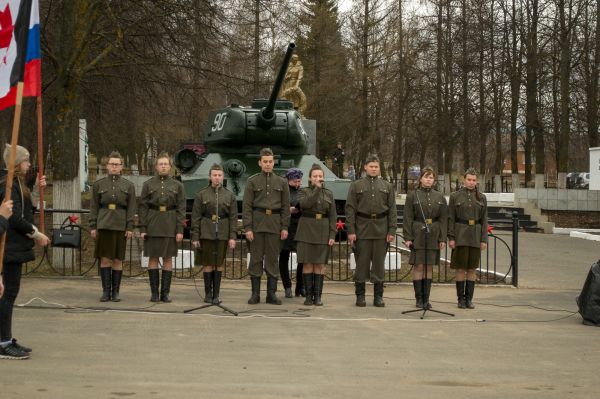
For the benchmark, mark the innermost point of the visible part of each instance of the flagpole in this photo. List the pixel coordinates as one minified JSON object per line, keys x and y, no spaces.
{"x":40,"y":143}
{"x":11,"y":160}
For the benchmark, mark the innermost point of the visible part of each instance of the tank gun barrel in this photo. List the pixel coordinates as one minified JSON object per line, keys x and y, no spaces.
{"x":267,"y":114}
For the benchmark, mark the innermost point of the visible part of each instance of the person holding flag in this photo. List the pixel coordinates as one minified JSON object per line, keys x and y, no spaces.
{"x":21,"y":235}
{"x":20,"y":75}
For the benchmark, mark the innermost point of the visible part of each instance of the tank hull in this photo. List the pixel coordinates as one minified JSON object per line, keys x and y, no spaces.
{"x":197,"y":178}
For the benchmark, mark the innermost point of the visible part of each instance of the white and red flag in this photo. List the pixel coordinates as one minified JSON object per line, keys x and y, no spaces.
{"x":20,"y":55}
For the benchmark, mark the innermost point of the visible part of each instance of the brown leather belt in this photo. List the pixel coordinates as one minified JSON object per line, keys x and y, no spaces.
{"x":314,"y":215}
{"x":267,"y":211}
{"x":372,"y":215}
{"x":112,"y":207}
{"x":162,"y":208}
{"x":470,"y":222}
{"x":213,"y":216}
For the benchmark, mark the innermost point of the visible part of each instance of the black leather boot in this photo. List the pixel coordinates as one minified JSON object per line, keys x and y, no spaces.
{"x":426,"y":304}
{"x":308,"y":288}
{"x":460,"y":294}
{"x":105,"y":277}
{"x":116,"y":285}
{"x":165,"y":286}
{"x":208,"y":281}
{"x":153,"y":277}
{"x":378,"y":295}
{"x":418,"y":287}
{"x":359,"y":290}
{"x":216,"y":287}
{"x":318,"y":289}
{"x":255,"y":297}
{"x":469,"y":290}
{"x":271,"y":288}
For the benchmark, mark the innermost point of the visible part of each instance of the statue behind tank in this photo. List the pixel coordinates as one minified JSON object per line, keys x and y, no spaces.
{"x":234,"y":135}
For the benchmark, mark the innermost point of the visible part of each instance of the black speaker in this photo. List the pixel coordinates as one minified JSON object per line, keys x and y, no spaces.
{"x":589,"y":299}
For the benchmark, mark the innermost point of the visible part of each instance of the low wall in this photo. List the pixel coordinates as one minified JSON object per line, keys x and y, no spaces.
{"x":554,"y":199}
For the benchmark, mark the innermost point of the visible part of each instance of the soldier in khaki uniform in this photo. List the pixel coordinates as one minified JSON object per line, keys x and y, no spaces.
{"x":467,"y":235}
{"x":371,"y":223}
{"x":111,"y":222}
{"x":425,"y":206}
{"x":162,"y":215}
{"x":214,"y":221}
{"x":266,"y":217}
{"x":316,"y":233}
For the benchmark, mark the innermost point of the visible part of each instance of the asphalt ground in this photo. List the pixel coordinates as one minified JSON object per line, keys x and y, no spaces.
{"x":525,"y":342}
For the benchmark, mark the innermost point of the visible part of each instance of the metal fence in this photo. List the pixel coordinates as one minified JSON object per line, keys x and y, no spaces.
{"x":498,"y":265}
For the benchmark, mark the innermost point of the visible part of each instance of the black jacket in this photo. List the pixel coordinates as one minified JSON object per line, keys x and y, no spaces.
{"x":290,"y":242}
{"x":19,"y":247}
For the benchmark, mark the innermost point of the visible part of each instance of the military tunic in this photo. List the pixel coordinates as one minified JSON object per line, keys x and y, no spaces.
{"x":266,"y":213}
{"x":467,"y":225}
{"x":162,"y":215}
{"x":204,"y":226}
{"x":317,"y":224}
{"x":112,"y":210}
{"x":435,"y":210}
{"x":371,"y":215}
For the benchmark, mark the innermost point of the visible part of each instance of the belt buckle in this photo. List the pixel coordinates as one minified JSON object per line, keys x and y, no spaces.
{"x":373,"y":216}
{"x":471,"y":222}
{"x":162,"y":208}
{"x":214,"y":218}
{"x":268,"y":212}
{"x":428,"y":221}
{"x":112,"y":206}
{"x":318,"y":216}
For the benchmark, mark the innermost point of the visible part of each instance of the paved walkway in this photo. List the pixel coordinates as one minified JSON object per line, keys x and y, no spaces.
{"x":517,"y":343}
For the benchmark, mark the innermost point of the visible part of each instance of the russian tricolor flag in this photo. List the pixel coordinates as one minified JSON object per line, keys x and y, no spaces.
{"x":20,"y":55}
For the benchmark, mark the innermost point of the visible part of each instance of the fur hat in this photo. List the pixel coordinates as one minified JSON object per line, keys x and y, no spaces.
{"x":22,"y":154}
{"x":294,"y":173}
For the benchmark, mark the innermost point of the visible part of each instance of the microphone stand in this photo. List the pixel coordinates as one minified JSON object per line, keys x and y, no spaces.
{"x":215,"y":258}
{"x":426,"y":229}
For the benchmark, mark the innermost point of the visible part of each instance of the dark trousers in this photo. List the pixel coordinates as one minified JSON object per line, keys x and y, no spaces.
{"x":11,"y":277}
{"x":265,"y":246}
{"x":370,"y":260}
{"x":284,"y":269}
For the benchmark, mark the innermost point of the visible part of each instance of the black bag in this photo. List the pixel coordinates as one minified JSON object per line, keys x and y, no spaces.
{"x":67,"y":236}
{"x":589,"y":299}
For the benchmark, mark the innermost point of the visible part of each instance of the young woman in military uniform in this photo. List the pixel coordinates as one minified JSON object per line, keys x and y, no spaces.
{"x":425,"y":206}
{"x":214,"y":221}
{"x":371,"y":223}
{"x":467,"y":235}
{"x":294,"y":178}
{"x":316,"y":233}
{"x":162,"y":215}
{"x":111,"y":222}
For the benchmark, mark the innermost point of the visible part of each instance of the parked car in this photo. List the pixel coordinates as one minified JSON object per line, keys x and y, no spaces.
{"x":572,"y":179}
{"x":583,"y":181}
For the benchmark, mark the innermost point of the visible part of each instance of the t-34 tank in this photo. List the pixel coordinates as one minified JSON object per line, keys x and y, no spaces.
{"x":234,"y":135}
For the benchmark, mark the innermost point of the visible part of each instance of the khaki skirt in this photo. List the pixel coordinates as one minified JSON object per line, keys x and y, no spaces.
{"x":160,"y":247}
{"x":464,"y":257}
{"x":211,"y":253}
{"x":312,"y":253}
{"x":110,"y":244}
{"x":417,"y":257}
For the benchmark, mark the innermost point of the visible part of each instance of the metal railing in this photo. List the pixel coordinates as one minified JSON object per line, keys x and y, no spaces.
{"x":498,"y":265}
